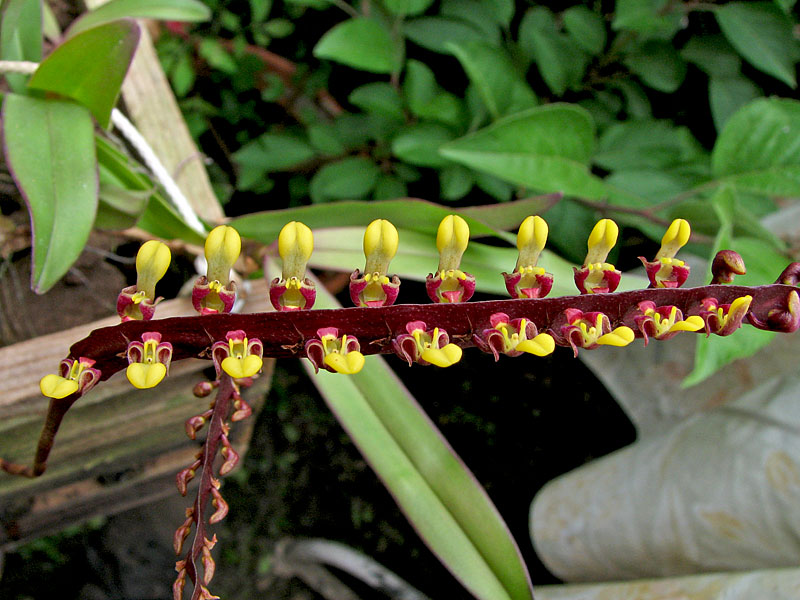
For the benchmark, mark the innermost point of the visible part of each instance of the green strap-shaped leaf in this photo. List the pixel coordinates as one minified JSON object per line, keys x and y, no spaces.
{"x":90,"y":67}
{"x":21,"y":36}
{"x":409,"y":213}
{"x":49,"y":147}
{"x":444,"y":502}
{"x":166,"y":10}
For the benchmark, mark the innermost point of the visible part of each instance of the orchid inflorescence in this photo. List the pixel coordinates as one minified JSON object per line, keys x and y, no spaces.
{"x":427,"y":334}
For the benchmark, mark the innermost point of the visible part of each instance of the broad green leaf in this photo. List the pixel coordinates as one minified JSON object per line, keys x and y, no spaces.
{"x":726,"y":95}
{"x":761,"y":135}
{"x":378,"y":97}
{"x":50,"y":27}
{"x":351,"y":178}
{"x":439,"y":495}
{"x":407,"y":8}
{"x":658,"y":65}
{"x":325,"y":140}
{"x":586,"y":28}
{"x":217,"y":56}
{"x":419,"y":144}
{"x":90,"y":67}
{"x":647,"y":17}
{"x":762,"y":34}
{"x":426,"y":100}
{"x":478,"y":13}
{"x":560,"y":62}
{"x":777,"y":182}
{"x":165,"y":10}
{"x":434,"y":33}
{"x":646,"y":144}
{"x":714,"y":55}
{"x":786,"y":5}
{"x":492,"y":73}
{"x":455,"y":182}
{"x":500,"y":190}
{"x":21,"y":36}
{"x":389,"y":187}
{"x":411,"y":214}
{"x":360,"y":43}
{"x":545,"y":148}
{"x":49,"y":149}
{"x":272,"y":152}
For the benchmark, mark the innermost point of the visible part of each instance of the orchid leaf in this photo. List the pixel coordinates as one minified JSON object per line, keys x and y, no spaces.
{"x":409,"y":213}
{"x":90,"y":67}
{"x":444,"y":502}
{"x":166,"y":10}
{"x":21,"y":36}
{"x":49,"y":148}
{"x":158,"y":217}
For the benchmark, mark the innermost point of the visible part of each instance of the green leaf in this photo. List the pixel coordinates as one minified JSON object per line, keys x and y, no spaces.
{"x":714,"y":55}
{"x":324,"y":139}
{"x":439,"y":495}
{"x":646,"y":144}
{"x":726,"y":95}
{"x":90,"y":66}
{"x":560,"y":62}
{"x":786,"y":5}
{"x":165,"y":10}
{"x":762,"y":34}
{"x":478,"y":13}
{"x":546,"y":148}
{"x":272,"y":152}
{"x":411,"y":214}
{"x":586,"y":28}
{"x":21,"y":37}
{"x":389,"y":187}
{"x":352,"y":177}
{"x":419,"y":144}
{"x":492,"y":73}
{"x":49,"y":148}
{"x":217,"y":56}
{"x":434,"y":33}
{"x":658,"y":65}
{"x":407,"y":8}
{"x":378,"y":97}
{"x":426,"y":100}
{"x":455,"y":182}
{"x":648,"y":17}
{"x":761,"y":135}
{"x":158,"y":218}
{"x":777,"y":182}
{"x":494,"y":186}
{"x":360,"y":43}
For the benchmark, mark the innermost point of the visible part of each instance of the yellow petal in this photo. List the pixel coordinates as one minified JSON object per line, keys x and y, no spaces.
{"x":542,"y":345}
{"x":144,"y":376}
{"x":442,"y":357}
{"x":621,"y":336}
{"x":692,"y":323}
{"x":55,"y":386}
{"x":346,"y":364}
{"x":239,"y":368}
